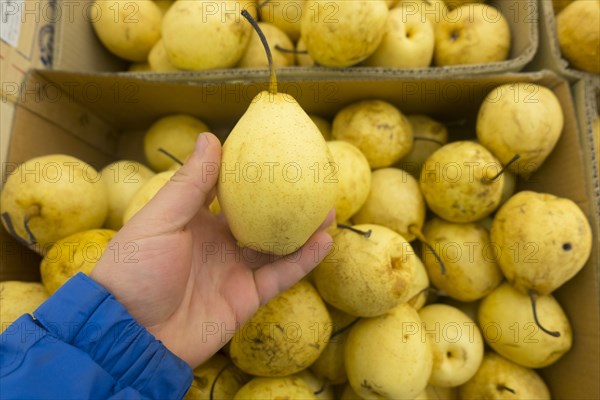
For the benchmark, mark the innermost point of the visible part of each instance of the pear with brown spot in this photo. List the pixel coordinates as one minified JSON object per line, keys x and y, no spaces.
{"x":461,"y":182}
{"x":366,"y":276}
{"x":285,"y":336}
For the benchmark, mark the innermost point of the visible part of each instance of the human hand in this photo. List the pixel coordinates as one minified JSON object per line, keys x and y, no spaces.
{"x":188,"y":270}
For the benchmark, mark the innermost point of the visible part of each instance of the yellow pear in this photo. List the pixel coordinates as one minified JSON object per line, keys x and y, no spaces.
{"x":543,"y":241}
{"x":366,"y":276}
{"x":578,"y":31}
{"x":289,"y":387}
{"x":395,"y":201}
{"x":122,"y":180}
{"x":158,"y":60}
{"x":387,"y":356}
{"x":18,"y":298}
{"x":50,"y":197}
{"x":456,"y":344}
{"x":472,"y":34}
{"x":407,"y":42}
{"x":286,"y":15}
{"x":77,"y":253}
{"x":354,"y":175}
{"x":127,"y":28}
{"x":340,"y":33}
{"x":377,"y":128}
{"x":520,"y":118}
{"x":509,"y":327}
{"x":204,"y":34}
{"x":429,"y":135}
{"x":274,"y":165}
{"x":146,"y":193}
{"x":459,"y":182}
{"x":176,"y":134}
{"x":285,"y":336}
{"x":501,"y":379}
{"x":217,"y":378}
{"x":470,"y":258}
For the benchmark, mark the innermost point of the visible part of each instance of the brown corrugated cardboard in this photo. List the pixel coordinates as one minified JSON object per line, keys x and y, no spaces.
{"x":78,"y":49}
{"x":549,"y":55}
{"x":100,"y":118}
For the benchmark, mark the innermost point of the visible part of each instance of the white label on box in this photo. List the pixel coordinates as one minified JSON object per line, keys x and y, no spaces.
{"x":10,"y":12}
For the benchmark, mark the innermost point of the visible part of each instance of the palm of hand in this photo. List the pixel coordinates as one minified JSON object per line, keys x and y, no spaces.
{"x":188,"y":282}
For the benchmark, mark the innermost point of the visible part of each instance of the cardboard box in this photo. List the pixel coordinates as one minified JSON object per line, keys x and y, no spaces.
{"x":78,"y":49}
{"x":549,"y":55}
{"x":27,"y":36}
{"x":101,"y":118}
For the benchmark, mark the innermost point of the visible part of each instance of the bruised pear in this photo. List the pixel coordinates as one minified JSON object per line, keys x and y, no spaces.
{"x":461,"y":182}
{"x":367,"y":276}
{"x":285,"y":336}
{"x":277,"y":178}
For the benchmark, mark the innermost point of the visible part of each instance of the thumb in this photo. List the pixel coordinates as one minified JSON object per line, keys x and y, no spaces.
{"x":180,"y":199}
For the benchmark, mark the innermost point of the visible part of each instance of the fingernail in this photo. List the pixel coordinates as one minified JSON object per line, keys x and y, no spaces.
{"x":201,"y":144}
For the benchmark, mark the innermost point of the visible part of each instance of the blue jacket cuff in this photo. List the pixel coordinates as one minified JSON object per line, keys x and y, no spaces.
{"x":85,"y":315}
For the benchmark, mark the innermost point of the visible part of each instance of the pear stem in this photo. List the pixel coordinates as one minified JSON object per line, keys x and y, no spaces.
{"x":485,"y":179}
{"x":171,"y":156}
{"x":214,"y":383}
{"x":533,"y":297}
{"x":419,"y":235}
{"x":263,"y":39}
{"x":292,"y":51}
{"x":32,"y":211}
{"x":322,"y":388}
{"x":11,"y":229}
{"x":503,"y":387}
{"x":344,"y":329}
{"x":366,"y":234}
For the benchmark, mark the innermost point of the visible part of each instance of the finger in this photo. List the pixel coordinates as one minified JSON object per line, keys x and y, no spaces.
{"x":272,"y":279}
{"x":187,"y":191}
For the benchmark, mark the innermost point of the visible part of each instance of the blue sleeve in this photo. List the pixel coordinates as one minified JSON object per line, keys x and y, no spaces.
{"x":83,"y":344}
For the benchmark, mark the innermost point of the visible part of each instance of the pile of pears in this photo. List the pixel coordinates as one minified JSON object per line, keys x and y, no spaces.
{"x":440,"y":280}
{"x":185,"y":35}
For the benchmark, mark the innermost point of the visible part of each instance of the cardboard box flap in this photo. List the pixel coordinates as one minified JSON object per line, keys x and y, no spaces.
{"x":78,"y":49}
